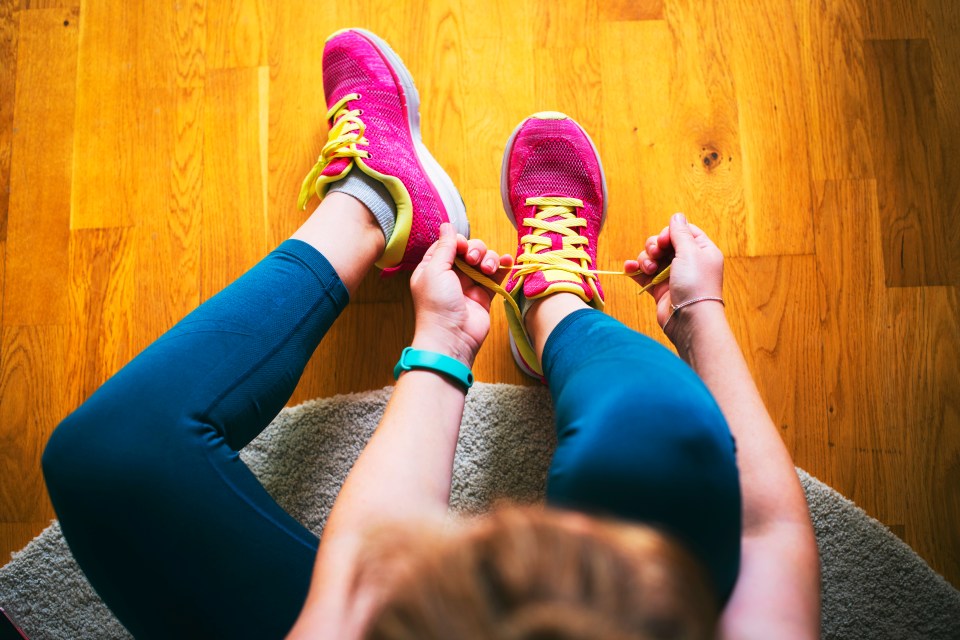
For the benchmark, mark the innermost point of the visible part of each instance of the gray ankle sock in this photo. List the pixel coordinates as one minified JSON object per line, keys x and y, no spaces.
{"x":371,"y":193}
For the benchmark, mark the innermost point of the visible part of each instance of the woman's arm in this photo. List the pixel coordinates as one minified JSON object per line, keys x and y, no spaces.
{"x":778,"y":589}
{"x":404,"y":473}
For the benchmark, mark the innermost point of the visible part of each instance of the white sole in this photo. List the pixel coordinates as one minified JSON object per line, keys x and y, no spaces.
{"x":449,"y":195}
{"x":521,"y":363}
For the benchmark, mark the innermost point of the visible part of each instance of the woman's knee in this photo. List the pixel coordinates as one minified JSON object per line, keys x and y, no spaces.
{"x":75,"y":453}
{"x":629,"y":448}
{"x":98,"y":450}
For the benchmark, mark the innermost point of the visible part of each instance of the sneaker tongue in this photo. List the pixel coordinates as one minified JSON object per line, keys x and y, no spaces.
{"x":558,"y":275}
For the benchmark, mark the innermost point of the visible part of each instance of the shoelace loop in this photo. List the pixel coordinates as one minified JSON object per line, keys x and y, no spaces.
{"x":531,"y":261}
{"x":345,"y":134}
{"x":535,"y":258}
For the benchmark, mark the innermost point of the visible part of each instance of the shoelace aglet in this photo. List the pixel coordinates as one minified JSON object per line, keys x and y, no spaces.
{"x":657,"y":279}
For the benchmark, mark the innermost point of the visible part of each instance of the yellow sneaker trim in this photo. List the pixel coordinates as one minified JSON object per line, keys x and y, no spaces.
{"x":555,"y":275}
{"x":550,"y":115}
{"x":513,"y":313}
{"x":397,"y":244}
{"x":336,"y":33}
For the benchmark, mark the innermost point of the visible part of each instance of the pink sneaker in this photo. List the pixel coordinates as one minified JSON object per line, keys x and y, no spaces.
{"x":555,"y":194}
{"x":375,"y":126}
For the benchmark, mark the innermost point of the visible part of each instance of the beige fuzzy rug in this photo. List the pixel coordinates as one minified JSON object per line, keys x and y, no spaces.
{"x":874,"y":586}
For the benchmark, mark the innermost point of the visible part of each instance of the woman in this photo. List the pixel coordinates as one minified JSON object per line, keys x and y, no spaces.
{"x":652,"y":530}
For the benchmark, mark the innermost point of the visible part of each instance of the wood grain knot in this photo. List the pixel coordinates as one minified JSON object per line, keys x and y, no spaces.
{"x":710,"y":158}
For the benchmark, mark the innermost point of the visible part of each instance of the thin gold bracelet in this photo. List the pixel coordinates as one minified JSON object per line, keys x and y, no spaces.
{"x":677,"y":307}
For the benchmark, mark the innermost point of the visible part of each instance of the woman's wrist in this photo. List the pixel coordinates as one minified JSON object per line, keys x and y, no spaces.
{"x":445,"y":342}
{"x":697,"y":325}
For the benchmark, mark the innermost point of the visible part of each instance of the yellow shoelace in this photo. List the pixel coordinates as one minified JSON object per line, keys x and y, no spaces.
{"x":571,"y":256}
{"x":345,"y":134}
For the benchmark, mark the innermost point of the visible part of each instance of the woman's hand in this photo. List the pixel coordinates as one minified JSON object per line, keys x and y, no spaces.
{"x":453,"y":311}
{"x":696,"y":268}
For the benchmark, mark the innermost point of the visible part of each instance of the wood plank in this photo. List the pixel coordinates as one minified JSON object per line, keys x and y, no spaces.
{"x":109,"y":131}
{"x":636,"y":127}
{"x":15,"y":535}
{"x":767,"y":72}
{"x":498,"y":97}
{"x":3,"y":266}
{"x":30,"y":5}
{"x":943,"y":27}
{"x":904,"y":133}
{"x":436,"y":61}
{"x":617,"y":10}
{"x":168,"y":232}
{"x":561,"y":25}
{"x":40,"y":184}
{"x":703,"y":141}
{"x":831,"y":44}
{"x":671,"y":136}
{"x":482,"y":19}
{"x":568,"y":80}
{"x":383,"y":330}
{"x":237,"y":34}
{"x":103,"y":325}
{"x":864,"y":446}
{"x":9,"y":29}
{"x":894,"y":19}
{"x":772,"y":307}
{"x":297,"y":110}
{"x":923,"y":374}
{"x":233,"y":229}
{"x":31,"y":405}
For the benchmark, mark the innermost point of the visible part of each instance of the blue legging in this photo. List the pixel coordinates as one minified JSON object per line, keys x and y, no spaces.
{"x":180,"y":539}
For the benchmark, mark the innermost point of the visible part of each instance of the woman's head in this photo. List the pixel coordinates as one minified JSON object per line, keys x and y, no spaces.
{"x":525,"y":573}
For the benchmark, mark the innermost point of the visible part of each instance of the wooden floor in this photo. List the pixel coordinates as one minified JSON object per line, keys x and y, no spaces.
{"x":150,"y":152}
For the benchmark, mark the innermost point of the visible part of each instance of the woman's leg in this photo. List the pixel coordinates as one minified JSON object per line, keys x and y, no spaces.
{"x":172,"y":529}
{"x":639,"y":436}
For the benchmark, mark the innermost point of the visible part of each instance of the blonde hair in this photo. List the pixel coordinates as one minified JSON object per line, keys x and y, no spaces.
{"x":524,"y":573}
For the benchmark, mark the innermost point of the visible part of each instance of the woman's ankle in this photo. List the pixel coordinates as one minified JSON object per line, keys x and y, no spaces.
{"x":347,"y":234}
{"x":544,"y":314}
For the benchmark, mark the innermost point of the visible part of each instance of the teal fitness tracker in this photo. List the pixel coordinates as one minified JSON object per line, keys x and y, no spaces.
{"x":431,"y":361}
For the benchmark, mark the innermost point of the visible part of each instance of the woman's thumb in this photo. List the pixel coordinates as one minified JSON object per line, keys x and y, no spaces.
{"x":446,"y":248}
{"x":680,"y":234}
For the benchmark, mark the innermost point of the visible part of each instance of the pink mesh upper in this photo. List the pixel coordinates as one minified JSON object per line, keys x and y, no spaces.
{"x":354,"y":64}
{"x":554,"y":158}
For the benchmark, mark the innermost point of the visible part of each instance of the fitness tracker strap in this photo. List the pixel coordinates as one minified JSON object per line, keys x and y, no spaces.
{"x":431,"y":361}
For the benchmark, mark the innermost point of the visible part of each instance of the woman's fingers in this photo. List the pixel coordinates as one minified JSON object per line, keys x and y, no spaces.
{"x":505,"y":262}
{"x":645,"y":263}
{"x":487,"y":261}
{"x":663,"y":239}
{"x":490,"y":262}
{"x":653,"y":250}
{"x":476,"y":250}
